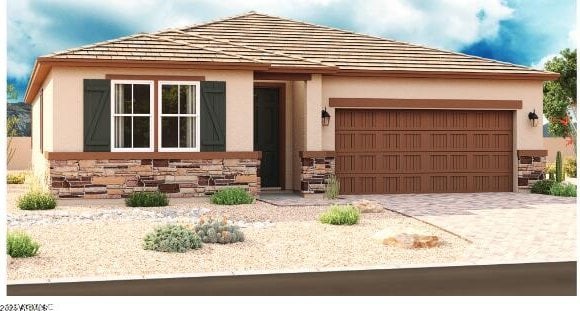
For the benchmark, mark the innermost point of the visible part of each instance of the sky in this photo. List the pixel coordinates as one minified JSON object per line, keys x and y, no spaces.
{"x":525,"y":32}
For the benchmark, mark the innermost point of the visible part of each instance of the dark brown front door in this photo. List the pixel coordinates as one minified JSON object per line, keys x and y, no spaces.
{"x":267,"y":134}
{"x":423,"y":151}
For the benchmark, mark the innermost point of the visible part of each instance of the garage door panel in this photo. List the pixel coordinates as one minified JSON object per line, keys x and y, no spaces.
{"x":422,"y":151}
{"x":409,"y":141}
{"x":428,"y":162}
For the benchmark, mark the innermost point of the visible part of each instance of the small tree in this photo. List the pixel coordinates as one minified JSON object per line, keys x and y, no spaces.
{"x":12,"y":131}
{"x":11,"y":124}
{"x":560,"y":96}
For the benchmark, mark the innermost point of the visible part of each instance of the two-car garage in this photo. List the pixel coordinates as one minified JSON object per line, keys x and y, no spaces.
{"x":424,"y":151}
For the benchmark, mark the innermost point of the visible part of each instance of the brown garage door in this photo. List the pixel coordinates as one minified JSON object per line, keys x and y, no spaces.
{"x":423,"y":151}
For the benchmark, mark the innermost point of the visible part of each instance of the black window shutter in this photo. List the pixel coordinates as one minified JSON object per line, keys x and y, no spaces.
{"x":97,"y":115}
{"x":213,"y":116}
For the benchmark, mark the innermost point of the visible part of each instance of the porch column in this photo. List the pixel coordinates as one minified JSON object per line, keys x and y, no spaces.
{"x":315,"y":165}
{"x":313,"y":109}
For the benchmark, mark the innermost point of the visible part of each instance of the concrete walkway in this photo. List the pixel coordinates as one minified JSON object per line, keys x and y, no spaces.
{"x":503,"y":227}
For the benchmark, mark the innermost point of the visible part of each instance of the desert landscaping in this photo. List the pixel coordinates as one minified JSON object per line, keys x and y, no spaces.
{"x":104,"y":238}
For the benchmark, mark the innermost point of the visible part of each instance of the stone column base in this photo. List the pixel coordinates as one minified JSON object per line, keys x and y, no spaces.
{"x":317,"y":167}
{"x":531,"y":168}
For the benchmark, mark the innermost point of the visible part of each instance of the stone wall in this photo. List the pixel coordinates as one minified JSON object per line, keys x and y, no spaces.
{"x":315,"y":172}
{"x":530,"y":170}
{"x":177,"y":178}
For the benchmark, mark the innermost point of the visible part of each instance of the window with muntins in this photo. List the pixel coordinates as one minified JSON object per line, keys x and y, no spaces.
{"x":179,"y":115}
{"x":131,"y":115}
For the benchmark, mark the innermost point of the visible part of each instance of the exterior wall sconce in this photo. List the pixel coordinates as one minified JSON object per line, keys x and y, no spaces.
{"x":533,"y":118}
{"x":325,"y":117}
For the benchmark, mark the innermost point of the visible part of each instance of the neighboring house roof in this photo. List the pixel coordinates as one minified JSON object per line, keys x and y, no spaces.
{"x":267,"y":43}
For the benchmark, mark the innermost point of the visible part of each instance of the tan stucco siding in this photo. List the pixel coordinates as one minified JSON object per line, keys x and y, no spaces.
{"x":39,"y":163}
{"x":529,"y":92}
{"x":299,"y":128}
{"x":555,"y":144}
{"x":68,"y":105}
{"x":312,"y":113}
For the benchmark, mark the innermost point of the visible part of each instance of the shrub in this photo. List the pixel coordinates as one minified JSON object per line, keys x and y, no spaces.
{"x":232,"y":196}
{"x":147,"y":199}
{"x":172,"y":238}
{"x":218,"y":231}
{"x":563,"y":190}
{"x":542,"y":186}
{"x":332,"y":188}
{"x":570,"y":167}
{"x":340,"y":215}
{"x":19,"y":244}
{"x":559,"y":172}
{"x":37,"y":200}
{"x":18,"y":178}
{"x":551,"y":170}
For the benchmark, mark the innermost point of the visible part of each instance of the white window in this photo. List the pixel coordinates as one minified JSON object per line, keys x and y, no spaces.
{"x":131,"y":115}
{"x":178,"y":116}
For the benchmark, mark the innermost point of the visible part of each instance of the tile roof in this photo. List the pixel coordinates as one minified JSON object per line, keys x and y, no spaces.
{"x":281,"y":43}
{"x":344,"y":49}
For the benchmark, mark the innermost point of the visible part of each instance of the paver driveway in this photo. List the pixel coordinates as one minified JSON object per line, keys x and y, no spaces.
{"x":504,"y":227}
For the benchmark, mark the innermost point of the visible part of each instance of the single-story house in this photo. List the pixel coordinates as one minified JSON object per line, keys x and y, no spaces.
{"x":264,"y":102}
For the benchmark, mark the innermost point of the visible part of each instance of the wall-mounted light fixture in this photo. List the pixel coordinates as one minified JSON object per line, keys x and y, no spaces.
{"x":325,"y":117}
{"x":533,"y":118}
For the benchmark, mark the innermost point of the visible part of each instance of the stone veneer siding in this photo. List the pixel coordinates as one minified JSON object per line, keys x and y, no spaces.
{"x":315,"y":172}
{"x":177,"y":178}
{"x":530,"y":170}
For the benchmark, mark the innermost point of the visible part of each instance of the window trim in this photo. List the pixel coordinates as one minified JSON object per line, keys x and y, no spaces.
{"x":151,"y":116}
{"x":197,"y":115}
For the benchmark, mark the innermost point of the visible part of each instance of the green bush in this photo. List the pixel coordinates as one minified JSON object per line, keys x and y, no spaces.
{"x":570,"y":167}
{"x":147,"y":199}
{"x":37,"y":200}
{"x":563,"y":190}
{"x":172,"y":238}
{"x":232,"y":196}
{"x":340,"y":215}
{"x":19,"y":244}
{"x":218,"y":231}
{"x":542,"y":186}
{"x":332,"y":188}
{"x":18,"y":178}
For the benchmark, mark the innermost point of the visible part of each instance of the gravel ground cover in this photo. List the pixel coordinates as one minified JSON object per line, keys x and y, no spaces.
{"x":103,"y":238}
{"x":114,"y":248}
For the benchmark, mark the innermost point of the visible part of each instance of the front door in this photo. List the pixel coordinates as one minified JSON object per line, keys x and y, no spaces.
{"x":266,"y":134}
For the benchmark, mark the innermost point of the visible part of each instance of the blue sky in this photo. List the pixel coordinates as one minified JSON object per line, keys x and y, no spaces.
{"x":526,"y":32}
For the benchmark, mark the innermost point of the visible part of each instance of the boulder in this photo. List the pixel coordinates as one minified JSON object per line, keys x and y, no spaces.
{"x":367,"y":206}
{"x":411,"y":240}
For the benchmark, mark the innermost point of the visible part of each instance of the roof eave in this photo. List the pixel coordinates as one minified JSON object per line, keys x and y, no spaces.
{"x":540,"y":75}
{"x":43,"y":65}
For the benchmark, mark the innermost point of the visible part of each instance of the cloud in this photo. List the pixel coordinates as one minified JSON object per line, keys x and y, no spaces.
{"x":449,"y":24}
{"x":502,"y":29}
{"x":540,"y":64}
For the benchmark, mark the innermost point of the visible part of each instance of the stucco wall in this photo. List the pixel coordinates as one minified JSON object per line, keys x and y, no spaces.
{"x":68,"y":108}
{"x":530,"y":92}
{"x":39,"y":163}
{"x":22,"y":158}
{"x":299,"y":129}
{"x":555,"y":144}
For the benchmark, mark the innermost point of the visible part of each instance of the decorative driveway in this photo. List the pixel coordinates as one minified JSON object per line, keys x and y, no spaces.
{"x":503,"y":227}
